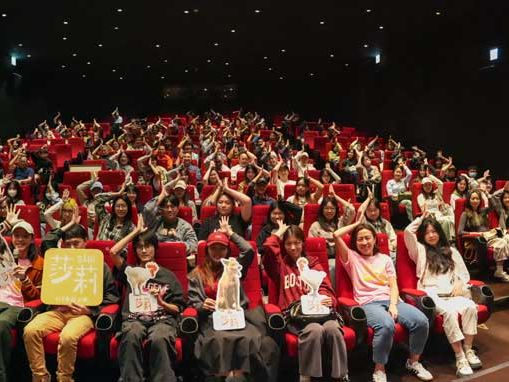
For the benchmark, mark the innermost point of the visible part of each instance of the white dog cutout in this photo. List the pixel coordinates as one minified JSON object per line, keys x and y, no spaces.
{"x":311,"y":302}
{"x":229,"y":315}
{"x":140,"y":301}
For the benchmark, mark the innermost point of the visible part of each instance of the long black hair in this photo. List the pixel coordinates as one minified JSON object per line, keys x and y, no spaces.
{"x":128,"y":220}
{"x":438,"y":257}
{"x":321,"y":217}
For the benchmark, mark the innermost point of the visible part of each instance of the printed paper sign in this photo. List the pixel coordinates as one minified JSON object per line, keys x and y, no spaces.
{"x":229,"y":315}
{"x":72,"y":275}
{"x":141,"y":298}
{"x":311,"y":302}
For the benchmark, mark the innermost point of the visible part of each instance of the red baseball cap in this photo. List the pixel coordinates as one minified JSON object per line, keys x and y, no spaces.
{"x":218,"y":238}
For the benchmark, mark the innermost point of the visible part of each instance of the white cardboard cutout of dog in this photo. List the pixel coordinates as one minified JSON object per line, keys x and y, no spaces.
{"x":229,"y":315}
{"x":140,"y":300}
{"x":312,"y":301}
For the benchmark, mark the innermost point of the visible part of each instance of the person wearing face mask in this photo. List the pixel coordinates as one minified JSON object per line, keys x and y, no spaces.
{"x":375,"y":288}
{"x":157,"y":325}
{"x":22,"y":285}
{"x":14,"y":193}
{"x":244,"y":352}
{"x":443,"y":275}
{"x":73,"y":321}
{"x":161,"y":216}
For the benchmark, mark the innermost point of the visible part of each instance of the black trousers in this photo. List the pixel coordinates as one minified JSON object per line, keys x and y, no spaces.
{"x":161,"y":351}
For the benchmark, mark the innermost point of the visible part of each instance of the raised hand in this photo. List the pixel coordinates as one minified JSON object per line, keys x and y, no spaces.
{"x":282,"y":228}
{"x":141,"y":227}
{"x":224,"y":226}
{"x":12,"y":216}
{"x":65,"y":195}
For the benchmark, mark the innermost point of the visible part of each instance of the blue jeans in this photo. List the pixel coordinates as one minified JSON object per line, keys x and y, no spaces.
{"x":382,"y":323}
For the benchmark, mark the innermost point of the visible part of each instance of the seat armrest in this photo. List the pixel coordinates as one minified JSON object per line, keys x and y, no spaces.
{"x":275,"y":318}
{"x":421,"y":301}
{"x":355,"y":318}
{"x":482,"y":294}
{"x":105,"y":321}
{"x":188,"y":324}
{"x":29,"y":311}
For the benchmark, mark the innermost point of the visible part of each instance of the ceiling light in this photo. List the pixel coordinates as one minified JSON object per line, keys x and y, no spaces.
{"x":331,"y":55}
{"x":74,"y":54}
{"x":162,"y":77}
{"x":365,"y":45}
{"x":311,"y":74}
{"x":205,"y":89}
{"x":322,"y":22}
{"x":187,"y":70}
{"x":158,"y":45}
{"x":116,"y":28}
{"x":227,"y":63}
{"x":257,"y":11}
{"x":209,"y":60}
{"x":29,"y":56}
{"x":438,"y":13}
{"x":233,"y":31}
{"x":165,"y":60}
{"x":381,"y":27}
{"x":66,"y":22}
{"x":121,"y":78}
{"x":120,"y":10}
{"x":195,"y":10}
{"x":100,"y":45}
{"x":14,"y":61}
{"x":64,"y":38}
{"x":63,"y":66}
{"x":88,"y":62}
{"x":368,"y":10}
{"x":216,"y":44}
{"x":114,"y":70}
{"x":83,"y":76}
{"x":283,"y":50}
{"x":281,"y":77}
{"x":229,"y":76}
{"x":377,"y":58}
{"x":265,"y":58}
{"x":494,"y":54}
{"x":270,"y":69}
{"x":20,"y":45}
{"x":148,"y":66}
{"x":186,"y":12}
{"x":4,"y":14}
{"x":347,"y":65}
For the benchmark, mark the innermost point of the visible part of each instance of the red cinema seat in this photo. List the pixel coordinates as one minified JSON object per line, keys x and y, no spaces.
{"x":77,"y":146}
{"x":95,"y":162}
{"x":186,"y":213}
{"x":500,"y":184}
{"x":407,"y":283}
{"x":145,"y":193}
{"x":344,"y":190}
{"x":74,"y":179}
{"x":386,"y":176}
{"x":64,"y":153}
{"x":26,"y":194}
{"x":448,"y":189}
{"x":113,"y":178}
{"x":258,"y":219}
{"x":31,"y":214}
{"x":311,"y":212}
{"x":206,"y":191}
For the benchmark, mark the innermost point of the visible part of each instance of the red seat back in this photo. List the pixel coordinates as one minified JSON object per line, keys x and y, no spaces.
{"x":104,"y":246}
{"x":74,"y":179}
{"x":448,"y":189}
{"x":405,"y":267}
{"x":31,"y":214}
{"x":258,"y":219}
{"x":311,"y":212}
{"x":186,"y":213}
{"x":114,"y":178}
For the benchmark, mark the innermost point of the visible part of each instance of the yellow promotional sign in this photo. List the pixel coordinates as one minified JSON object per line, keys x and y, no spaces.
{"x":72,"y":275}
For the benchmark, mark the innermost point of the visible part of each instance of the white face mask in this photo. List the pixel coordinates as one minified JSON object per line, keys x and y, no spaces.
{"x":12,"y":192}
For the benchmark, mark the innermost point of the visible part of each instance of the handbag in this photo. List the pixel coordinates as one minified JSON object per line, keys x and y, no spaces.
{"x":293,"y":315}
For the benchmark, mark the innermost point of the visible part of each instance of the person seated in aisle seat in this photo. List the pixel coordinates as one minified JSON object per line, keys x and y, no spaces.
{"x":161,"y":216}
{"x":329,"y":220}
{"x":474,"y":222}
{"x":87,"y":191}
{"x":282,"y":251}
{"x":73,"y":321}
{"x":118,"y":223}
{"x":22,"y":284}
{"x":280,"y":175}
{"x":443,"y":275}
{"x":398,"y":190}
{"x":329,"y":176}
{"x":158,"y":326}
{"x":22,"y":172}
{"x":375,"y":288}
{"x":248,"y":353}
{"x":65,"y":206}
{"x":225,"y":204}
{"x":431,"y":200}
{"x":373,"y":216}
{"x":12,"y":192}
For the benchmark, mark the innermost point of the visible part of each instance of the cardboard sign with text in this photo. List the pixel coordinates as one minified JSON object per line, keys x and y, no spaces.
{"x":72,"y":275}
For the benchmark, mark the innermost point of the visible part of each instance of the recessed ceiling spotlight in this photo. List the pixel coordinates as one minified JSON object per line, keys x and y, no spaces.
{"x":187,"y":70}
{"x":66,"y":22}
{"x":29,"y":56}
{"x":311,"y":74}
{"x":114,"y":70}
{"x":121,"y":78}
{"x":186,"y":12}
{"x":257,"y":11}
{"x":365,"y":45}
{"x":347,"y":65}
{"x":438,"y":13}
{"x":331,"y":55}
{"x":196,"y":10}
{"x":227,"y":63}
{"x":265,"y":58}
{"x":322,"y":22}
{"x":74,"y":54}
{"x":88,"y":62}
{"x":270,"y":69}
{"x":216,"y":44}
{"x":381,"y":27}
{"x":229,"y":76}
{"x":83,"y":76}
{"x":163,"y":77}
{"x":165,"y":60}
{"x":233,"y":31}
{"x":281,"y":78}
{"x":205,"y":89}
{"x":64,"y":38}
{"x":148,"y":66}
{"x":283,"y":50}
{"x":368,"y":10}
{"x":100,"y":45}
{"x":120,"y":10}
{"x":4,"y":14}
{"x":116,"y":28}
{"x":158,"y":45}
{"x":63,"y":66}
{"x":209,"y":60}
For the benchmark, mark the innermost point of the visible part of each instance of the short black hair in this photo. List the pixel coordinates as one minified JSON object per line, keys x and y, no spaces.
{"x":76,"y":231}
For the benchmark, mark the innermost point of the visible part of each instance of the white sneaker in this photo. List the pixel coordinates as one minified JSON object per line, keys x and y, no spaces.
{"x":463,"y":368}
{"x":379,"y":376}
{"x":502,"y":276}
{"x":419,"y":371}
{"x":473,"y":359}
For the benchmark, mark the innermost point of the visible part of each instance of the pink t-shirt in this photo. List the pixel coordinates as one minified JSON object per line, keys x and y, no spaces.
{"x":11,"y":293}
{"x":370,"y":276}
